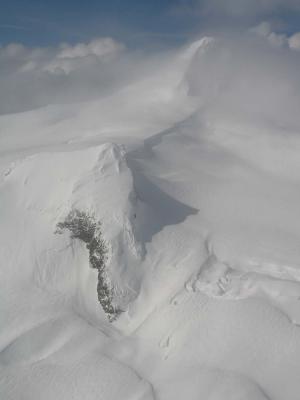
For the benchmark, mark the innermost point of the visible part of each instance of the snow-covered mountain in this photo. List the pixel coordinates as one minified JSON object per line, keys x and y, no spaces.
{"x":195,"y":179}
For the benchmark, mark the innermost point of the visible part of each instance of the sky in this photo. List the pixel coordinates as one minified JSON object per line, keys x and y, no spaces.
{"x":137,"y":22}
{"x":39,"y":22}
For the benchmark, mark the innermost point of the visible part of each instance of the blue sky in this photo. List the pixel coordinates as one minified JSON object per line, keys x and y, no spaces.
{"x":44,"y":22}
{"x":35,"y":22}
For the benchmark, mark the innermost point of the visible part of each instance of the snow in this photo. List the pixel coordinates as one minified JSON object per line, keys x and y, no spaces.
{"x":199,"y":208}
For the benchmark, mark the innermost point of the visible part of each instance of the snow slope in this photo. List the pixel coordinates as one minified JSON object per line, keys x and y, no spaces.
{"x":199,"y":208}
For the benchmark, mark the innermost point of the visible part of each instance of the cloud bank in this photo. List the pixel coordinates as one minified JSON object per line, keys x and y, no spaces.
{"x":254,"y":73}
{"x":248,"y":77}
{"x":265,"y":30}
{"x":33,"y":77}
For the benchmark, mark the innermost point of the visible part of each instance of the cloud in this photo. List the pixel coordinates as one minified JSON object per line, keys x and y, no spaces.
{"x":36,"y":77}
{"x":33,"y":77}
{"x":244,"y":76}
{"x":70,"y":57}
{"x":256,"y":72}
{"x":264,"y":29}
{"x":294,"y":41}
{"x":99,"y":47}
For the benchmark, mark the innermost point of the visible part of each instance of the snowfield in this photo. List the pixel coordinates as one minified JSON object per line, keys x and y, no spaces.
{"x":198,"y":194}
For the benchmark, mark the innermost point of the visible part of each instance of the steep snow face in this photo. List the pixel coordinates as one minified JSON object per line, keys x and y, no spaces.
{"x":197,"y":204}
{"x":48,"y":290}
{"x":41,"y":189}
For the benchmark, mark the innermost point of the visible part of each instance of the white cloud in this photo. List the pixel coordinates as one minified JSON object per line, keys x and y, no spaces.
{"x":247,"y":77}
{"x":102,"y":47}
{"x":65,"y":58}
{"x":261,"y":76}
{"x":70,"y":57}
{"x":264,"y":29}
{"x":13,"y":50}
{"x":294,"y":41}
{"x":277,"y":39}
{"x":31,"y":77}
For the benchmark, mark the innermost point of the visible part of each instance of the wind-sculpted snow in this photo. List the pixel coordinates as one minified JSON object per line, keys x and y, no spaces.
{"x":198,"y":207}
